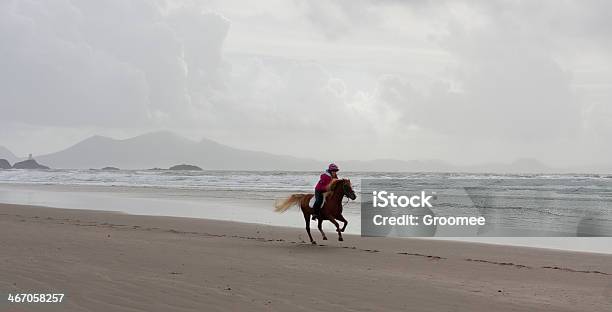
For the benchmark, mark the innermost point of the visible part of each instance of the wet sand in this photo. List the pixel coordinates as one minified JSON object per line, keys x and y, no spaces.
{"x":106,"y":261}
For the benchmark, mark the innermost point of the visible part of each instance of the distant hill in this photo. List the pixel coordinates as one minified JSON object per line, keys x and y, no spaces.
{"x":185,"y":167}
{"x":8,"y":155}
{"x":165,"y":149}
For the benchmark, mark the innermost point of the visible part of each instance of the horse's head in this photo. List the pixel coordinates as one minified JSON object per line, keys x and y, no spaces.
{"x":344,"y":185}
{"x":348,"y":190}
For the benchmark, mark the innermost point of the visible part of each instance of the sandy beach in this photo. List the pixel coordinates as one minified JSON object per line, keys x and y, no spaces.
{"x":106,"y":261}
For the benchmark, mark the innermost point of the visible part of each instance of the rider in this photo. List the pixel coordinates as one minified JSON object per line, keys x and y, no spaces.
{"x":326,"y":178}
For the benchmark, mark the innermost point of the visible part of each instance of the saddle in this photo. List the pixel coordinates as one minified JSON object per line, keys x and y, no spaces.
{"x":312,"y":200}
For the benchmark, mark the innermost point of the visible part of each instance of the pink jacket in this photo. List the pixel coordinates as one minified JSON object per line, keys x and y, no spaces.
{"x":324,"y":181}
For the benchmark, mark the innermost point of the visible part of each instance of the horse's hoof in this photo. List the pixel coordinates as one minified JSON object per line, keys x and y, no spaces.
{"x":313,"y":242}
{"x":324,"y":238}
{"x":340,"y":239}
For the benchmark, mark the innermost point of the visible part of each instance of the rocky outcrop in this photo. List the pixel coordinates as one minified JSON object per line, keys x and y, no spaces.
{"x":7,"y":155}
{"x":110,"y":169}
{"x":4,"y":164}
{"x":185,"y":167}
{"x":29,"y":164}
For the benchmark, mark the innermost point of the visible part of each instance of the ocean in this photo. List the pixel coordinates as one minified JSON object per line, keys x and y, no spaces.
{"x":544,"y":200}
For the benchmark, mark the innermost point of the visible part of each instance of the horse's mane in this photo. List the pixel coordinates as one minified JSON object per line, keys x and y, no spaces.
{"x":333,"y":183}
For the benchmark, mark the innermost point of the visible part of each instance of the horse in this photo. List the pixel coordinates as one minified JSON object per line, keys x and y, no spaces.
{"x":331,"y":210}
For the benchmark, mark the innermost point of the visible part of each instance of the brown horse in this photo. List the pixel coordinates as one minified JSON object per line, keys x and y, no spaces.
{"x":331,"y":210}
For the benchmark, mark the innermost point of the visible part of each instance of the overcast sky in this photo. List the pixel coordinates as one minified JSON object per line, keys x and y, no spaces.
{"x":461,"y":81}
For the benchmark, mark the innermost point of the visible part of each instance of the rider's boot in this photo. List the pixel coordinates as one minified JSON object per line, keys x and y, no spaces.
{"x":315,"y":214}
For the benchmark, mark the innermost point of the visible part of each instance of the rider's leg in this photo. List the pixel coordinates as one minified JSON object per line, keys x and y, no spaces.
{"x":318,"y":202}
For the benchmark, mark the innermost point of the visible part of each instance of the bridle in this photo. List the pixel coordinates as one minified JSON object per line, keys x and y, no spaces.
{"x":344,"y":186}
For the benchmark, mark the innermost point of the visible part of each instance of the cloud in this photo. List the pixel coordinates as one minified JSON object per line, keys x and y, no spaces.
{"x":285,"y":94}
{"x":505,"y":82}
{"x":509,"y":73}
{"x":116,"y":64}
{"x":336,"y":19}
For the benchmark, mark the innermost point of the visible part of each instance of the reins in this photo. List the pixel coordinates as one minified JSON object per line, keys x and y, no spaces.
{"x":347,"y":202}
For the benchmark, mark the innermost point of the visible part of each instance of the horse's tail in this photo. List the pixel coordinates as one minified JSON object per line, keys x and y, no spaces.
{"x":284,"y":205}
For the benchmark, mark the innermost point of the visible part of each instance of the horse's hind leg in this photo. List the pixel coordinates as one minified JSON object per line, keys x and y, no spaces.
{"x":321,"y":228}
{"x":307,"y":220}
{"x":337,"y":228}
{"x":343,"y":220}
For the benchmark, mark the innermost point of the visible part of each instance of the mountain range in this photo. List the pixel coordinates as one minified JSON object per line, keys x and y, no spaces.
{"x":165,"y":149}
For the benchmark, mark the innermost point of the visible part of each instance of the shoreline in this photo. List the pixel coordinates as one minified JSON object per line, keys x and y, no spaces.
{"x":328,"y":230}
{"x":108,"y":260}
{"x":211,"y":205}
{"x":300,"y":231}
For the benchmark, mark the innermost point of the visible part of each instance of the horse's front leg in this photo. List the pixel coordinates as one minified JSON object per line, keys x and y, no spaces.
{"x":320,"y":225}
{"x":343,"y":220}
{"x":337,"y":228}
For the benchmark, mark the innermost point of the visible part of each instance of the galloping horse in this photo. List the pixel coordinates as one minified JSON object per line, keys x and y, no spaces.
{"x":331,"y":210}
